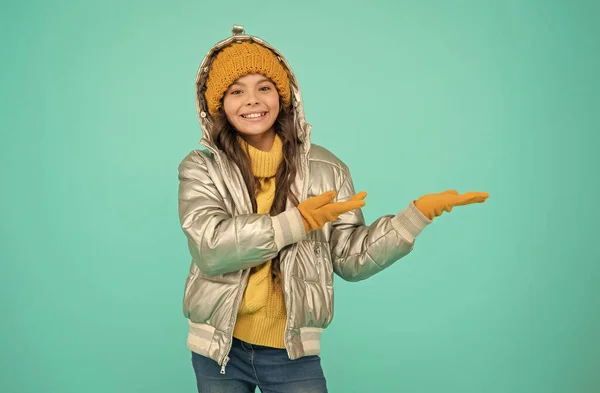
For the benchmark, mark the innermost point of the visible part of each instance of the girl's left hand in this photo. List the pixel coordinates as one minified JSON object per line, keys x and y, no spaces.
{"x":433,"y":205}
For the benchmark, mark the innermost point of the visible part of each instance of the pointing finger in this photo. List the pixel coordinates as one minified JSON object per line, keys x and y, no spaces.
{"x":470,"y":197}
{"x":359,"y":196}
{"x":321,"y":200}
{"x":339,"y":208}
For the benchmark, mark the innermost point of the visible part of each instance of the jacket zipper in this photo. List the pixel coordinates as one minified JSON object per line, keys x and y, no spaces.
{"x":243,"y":281}
{"x":225,"y":361}
{"x":294,"y":253}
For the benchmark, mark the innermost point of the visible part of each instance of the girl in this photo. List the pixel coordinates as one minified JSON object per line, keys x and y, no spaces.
{"x":269,"y":219}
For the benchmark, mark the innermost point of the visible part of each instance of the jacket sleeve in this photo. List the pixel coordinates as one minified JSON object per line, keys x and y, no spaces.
{"x":360,"y":251}
{"x":218,"y":242}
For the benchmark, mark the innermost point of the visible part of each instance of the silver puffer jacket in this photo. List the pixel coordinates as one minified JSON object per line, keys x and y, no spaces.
{"x":226,"y":239}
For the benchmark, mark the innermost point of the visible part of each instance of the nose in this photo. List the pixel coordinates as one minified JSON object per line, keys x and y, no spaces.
{"x":252,"y":99}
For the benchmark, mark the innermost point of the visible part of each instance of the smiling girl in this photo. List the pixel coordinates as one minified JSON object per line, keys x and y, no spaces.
{"x":270,"y":218}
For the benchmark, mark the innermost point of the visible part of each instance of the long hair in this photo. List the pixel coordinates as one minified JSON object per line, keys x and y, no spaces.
{"x":225,"y":136}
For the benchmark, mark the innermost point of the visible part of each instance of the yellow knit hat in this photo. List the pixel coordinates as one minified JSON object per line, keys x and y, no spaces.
{"x":237,"y":60}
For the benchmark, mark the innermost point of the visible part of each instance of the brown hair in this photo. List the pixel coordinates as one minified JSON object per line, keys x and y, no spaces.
{"x":225,"y":137}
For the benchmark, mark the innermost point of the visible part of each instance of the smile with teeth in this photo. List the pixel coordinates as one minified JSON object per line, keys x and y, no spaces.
{"x":254,"y":115}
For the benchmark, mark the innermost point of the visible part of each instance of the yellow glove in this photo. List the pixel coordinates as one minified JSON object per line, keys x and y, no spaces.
{"x":319,"y":210}
{"x":433,"y":205}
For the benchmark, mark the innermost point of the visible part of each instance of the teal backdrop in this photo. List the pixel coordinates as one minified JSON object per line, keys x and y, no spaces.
{"x":98,"y":110}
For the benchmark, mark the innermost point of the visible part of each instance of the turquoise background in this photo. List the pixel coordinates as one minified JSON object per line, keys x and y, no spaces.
{"x":97,"y":110}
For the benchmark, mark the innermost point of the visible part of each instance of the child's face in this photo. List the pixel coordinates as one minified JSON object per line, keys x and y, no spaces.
{"x":256,"y":95}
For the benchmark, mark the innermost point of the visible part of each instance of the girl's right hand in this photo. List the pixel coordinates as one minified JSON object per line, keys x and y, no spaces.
{"x":319,"y":210}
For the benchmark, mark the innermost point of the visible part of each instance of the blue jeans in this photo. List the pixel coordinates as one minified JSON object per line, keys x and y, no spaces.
{"x":268,"y":368}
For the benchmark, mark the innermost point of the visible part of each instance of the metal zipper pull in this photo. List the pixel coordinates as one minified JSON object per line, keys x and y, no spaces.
{"x":224,"y":364}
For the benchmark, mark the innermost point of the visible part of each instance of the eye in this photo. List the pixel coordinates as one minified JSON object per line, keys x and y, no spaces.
{"x":265,"y":88}
{"x":235,"y":92}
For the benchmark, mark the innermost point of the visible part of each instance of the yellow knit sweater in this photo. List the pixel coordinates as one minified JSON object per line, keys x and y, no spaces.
{"x":262,"y":316}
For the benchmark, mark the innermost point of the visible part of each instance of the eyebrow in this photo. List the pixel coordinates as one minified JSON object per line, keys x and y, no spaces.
{"x":260,"y":81}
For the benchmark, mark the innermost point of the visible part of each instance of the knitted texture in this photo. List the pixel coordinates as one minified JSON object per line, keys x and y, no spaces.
{"x":264,"y":163}
{"x":237,"y":60}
